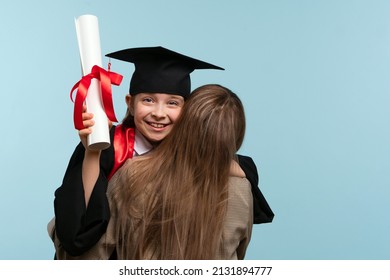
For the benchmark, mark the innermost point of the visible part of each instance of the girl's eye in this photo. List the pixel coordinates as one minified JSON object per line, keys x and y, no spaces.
{"x":173,"y":103}
{"x":147,"y":99}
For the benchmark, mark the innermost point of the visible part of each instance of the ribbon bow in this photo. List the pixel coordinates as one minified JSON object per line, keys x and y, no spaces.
{"x":106,"y":78}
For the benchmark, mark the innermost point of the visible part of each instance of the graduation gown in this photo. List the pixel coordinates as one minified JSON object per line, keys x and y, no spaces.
{"x":262,"y":212}
{"x":79,"y":228}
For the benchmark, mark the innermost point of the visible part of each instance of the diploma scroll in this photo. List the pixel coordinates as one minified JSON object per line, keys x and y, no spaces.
{"x":87,"y":29}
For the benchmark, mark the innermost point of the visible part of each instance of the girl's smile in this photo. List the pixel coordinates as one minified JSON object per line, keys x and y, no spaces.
{"x":155,"y":113}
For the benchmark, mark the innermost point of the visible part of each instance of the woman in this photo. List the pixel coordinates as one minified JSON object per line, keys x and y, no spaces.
{"x":178,"y":201}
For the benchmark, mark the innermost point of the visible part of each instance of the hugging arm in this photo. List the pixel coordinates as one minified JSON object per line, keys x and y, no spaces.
{"x":262,"y":212}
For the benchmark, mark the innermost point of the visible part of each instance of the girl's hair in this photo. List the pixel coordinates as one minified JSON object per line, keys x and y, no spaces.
{"x":172,"y":202}
{"x":128,"y":120}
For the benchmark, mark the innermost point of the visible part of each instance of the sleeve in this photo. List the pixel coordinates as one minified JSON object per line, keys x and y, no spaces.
{"x":245,"y":196}
{"x":239,"y":219}
{"x":262,"y":213}
{"x":78,"y":228}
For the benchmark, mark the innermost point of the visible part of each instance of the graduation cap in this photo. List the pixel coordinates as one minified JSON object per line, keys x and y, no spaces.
{"x":160,"y":70}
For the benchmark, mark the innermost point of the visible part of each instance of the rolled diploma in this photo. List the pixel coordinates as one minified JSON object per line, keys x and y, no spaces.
{"x":87,"y":29}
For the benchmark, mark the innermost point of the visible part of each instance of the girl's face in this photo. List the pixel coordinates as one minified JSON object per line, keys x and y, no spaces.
{"x":155,"y":113}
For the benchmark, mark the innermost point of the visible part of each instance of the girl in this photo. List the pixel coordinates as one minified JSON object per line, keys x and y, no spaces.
{"x":158,"y":89}
{"x":159,"y":86}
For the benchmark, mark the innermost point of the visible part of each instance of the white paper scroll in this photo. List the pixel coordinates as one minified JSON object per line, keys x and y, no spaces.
{"x":87,"y":29}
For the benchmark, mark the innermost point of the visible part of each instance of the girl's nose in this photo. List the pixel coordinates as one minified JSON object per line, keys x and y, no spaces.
{"x":159,"y":112}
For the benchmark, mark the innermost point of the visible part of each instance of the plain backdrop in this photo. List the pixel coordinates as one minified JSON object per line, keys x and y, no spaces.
{"x":313,"y":77}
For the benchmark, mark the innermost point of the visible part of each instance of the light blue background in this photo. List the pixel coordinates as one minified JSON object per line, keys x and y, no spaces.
{"x":314,"y":78}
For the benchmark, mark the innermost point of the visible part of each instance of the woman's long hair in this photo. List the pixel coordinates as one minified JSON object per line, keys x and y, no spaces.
{"x":171,"y":204}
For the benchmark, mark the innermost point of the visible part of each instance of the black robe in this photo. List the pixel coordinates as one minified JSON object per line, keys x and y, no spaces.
{"x":78,"y":228}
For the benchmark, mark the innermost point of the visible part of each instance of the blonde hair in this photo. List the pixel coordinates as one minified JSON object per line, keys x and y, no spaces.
{"x":171,"y":204}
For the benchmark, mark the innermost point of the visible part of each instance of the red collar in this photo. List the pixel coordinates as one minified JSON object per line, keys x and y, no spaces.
{"x":123,"y":147}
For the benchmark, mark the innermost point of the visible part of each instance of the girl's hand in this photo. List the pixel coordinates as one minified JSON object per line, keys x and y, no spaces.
{"x":88,"y":123}
{"x":235,"y":170}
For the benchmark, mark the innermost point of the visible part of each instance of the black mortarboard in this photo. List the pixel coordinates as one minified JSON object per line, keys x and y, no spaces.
{"x":159,"y":70}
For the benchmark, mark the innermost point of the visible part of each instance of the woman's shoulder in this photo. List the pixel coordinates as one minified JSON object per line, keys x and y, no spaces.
{"x":242,"y":182}
{"x":240,"y":190}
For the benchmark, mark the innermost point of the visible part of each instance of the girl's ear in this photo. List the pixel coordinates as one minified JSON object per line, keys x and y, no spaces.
{"x":130,"y":105}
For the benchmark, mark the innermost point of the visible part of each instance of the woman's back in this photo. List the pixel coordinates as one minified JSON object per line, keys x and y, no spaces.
{"x":237,"y":226}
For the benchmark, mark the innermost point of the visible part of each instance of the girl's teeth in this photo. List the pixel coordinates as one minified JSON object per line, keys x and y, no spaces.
{"x":157,"y":125}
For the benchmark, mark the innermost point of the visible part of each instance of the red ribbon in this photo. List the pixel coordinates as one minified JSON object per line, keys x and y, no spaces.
{"x":106,"y":78}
